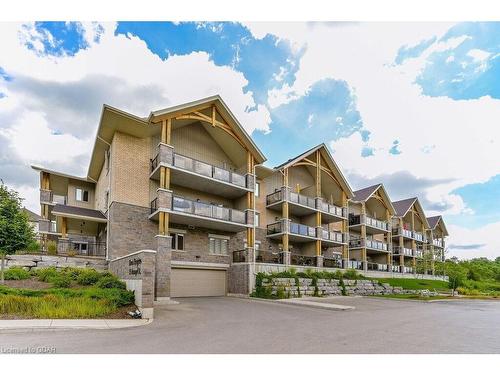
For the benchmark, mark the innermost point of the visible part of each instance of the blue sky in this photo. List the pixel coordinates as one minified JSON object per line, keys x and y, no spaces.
{"x":413,"y":106}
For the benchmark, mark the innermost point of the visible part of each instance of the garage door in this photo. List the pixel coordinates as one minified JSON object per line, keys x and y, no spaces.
{"x":187,"y":282}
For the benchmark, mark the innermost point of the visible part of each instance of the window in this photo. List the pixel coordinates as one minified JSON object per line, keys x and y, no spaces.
{"x":177,"y":241}
{"x":82,"y":195}
{"x":257,"y":219}
{"x":257,"y":189}
{"x":218,"y":245}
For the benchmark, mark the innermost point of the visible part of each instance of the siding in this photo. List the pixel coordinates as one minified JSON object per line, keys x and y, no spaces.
{"x":130,"y":170}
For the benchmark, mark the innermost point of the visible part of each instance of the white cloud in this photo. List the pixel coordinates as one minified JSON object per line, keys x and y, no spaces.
{"x":486,"y":236}
{"x":440,"y":138}
{"x":478,"y":55}
{"x":70,"y":102}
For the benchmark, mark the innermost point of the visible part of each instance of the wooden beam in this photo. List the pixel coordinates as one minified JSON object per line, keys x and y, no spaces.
{"x":213,"y":115}
{"x":168,"y":139}
{"x":163,"y":131}
{"x":318,"y":174}
{"x":64,"y":227}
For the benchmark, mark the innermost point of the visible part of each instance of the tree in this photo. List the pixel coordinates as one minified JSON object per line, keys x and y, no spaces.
{"x":15,"y":231}
{"x":456,"y":275}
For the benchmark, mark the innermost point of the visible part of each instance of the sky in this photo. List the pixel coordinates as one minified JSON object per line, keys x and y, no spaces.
{"x":415,"y":106}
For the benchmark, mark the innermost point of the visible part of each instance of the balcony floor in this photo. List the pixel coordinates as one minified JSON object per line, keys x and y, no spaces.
{"x":185,"y":178}
{"x":369,"y":229}
{"x":294,"y":209}
{"x":292,"y":237}
{"x":201,"y":221}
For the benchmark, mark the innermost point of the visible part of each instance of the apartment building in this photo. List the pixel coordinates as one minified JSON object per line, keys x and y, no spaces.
{"x":301,"y":212}
{"x":436,"y":235}
{"x":189,"y":183}
{"x":370,"y":240}
{"x":409,"y":228}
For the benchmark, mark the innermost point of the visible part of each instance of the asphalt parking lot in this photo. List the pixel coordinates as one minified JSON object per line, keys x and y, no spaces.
{"x":235,"y":325}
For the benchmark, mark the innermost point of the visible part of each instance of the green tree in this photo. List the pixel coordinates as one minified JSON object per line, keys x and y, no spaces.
{"x":15,"y":231}
{"x":456,"y":275}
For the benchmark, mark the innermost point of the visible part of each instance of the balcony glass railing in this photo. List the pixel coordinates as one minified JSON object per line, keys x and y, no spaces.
{"x":204,"y":169}
{"x":380,"y":224}
{"x":395,"y":268}
{"x":377,"y":245}
{"x":403,"y":232}
{"x":377,"y":267}
{"x":418,"y":236}
{"x":302,"y":200}
{"x":419,"y":253}
{"x":407,"y":269}
{"x":302,"y":260}
{"x":303,"y":230}
{"x":197,"y":208}
{"x":332,"y":236}
{"x":437,"y":242}
{"x":266,"y":256}
{"x":402,"y":251}
{"x":331,"y":209}
{"x":275,"y":197}
{"x":355,"y":264}
{"x":332,"y":262}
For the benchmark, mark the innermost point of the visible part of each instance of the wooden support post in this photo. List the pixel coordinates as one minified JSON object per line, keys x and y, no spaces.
{"x":345,"y":230}
{"x":284,"y":213}
{"x":250,"y":195}
{"x":64,"y":227}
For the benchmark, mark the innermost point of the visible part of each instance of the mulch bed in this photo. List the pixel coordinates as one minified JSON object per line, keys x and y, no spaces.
{"x":28,"y":284}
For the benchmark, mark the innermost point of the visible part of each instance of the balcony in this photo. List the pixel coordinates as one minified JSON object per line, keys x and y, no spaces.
{"x":301,"y":205}
{"x":358,"y":243}
{"x":378,"y":267}
{"x":332,"y":262}
{"x":296,"y":232}
{"x":407,"y":269}
{"x":419,"y":253}
{"x":206,"y":215}
{"x":332,"y":237}
{"x":402,"y":232}
{"x":298,"y":204}
{"x":302,"y":260}
{"x":199,"y":175}
{"x":261,"y":256}
{"x":417,"y":236}
{"x":396,"y":268}
{"x":47,"y":227}
{"x":355,"y":264}
{"x":438,"y":242}
{"x":373,"y":226}
{"x":48,"y":197}
{"x":398,"y":250}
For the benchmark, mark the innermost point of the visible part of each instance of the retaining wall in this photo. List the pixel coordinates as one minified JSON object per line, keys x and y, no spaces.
{"x":29,"y":262}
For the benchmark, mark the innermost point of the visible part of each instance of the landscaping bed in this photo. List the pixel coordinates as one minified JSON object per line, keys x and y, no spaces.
{"x":68,"y":293}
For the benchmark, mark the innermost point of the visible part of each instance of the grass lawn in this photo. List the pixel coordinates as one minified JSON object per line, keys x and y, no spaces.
{"x":64,"y":294}
{"x":430,"y":298}
{"x":416,"y":284}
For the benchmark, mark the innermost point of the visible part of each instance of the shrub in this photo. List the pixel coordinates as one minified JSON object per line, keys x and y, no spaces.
{"x":71,"y":253}
{"x":16,"y":273}
{"x":351,"y":274}
{"x":33,"y":247}
{"x":52,"y":248}
{"x":46,"y":274}
{"x":88,"y":276}
{"x":61,"y":281}
{"x":110,"y":282}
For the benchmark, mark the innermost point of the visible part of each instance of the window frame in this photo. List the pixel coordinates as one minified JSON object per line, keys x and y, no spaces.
{"x":257,"y":189}
{"x":83,"y":191}
{"x":218,"y":240}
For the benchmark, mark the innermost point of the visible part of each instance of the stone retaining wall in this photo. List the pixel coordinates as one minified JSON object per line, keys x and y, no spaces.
{"x":29,"y":262}
{"x":324,"y":287}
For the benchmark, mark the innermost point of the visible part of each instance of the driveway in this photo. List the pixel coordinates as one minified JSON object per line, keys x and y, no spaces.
{"x":234,"y":325}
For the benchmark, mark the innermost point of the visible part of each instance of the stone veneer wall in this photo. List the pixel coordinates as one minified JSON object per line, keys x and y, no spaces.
{"x":29,"y":262}
{"x":137,"y":270}
{"x":238,"y":278}
{"x":333,"y":287}
{"x":129,"y":230}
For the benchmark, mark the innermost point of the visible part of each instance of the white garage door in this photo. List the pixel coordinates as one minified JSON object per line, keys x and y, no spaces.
{"x":188,"y":282}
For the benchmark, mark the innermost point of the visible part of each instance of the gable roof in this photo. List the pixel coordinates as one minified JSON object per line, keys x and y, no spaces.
{"x":32,"y":216}
{"x":434,"y":221}
{"x":113,"y":119}
{"x":224,"y":111}
{"x":331,"y":164}
{"x":404,"y":205}
{"x":362,"y":195}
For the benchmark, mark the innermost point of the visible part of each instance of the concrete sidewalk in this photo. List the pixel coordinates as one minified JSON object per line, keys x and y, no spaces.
{"x":42,"y":324}
{"x":313,"y":302}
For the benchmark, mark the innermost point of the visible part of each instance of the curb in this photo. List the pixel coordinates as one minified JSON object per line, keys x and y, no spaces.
{"x":304,"y":303}
{"x":65,"y":324}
